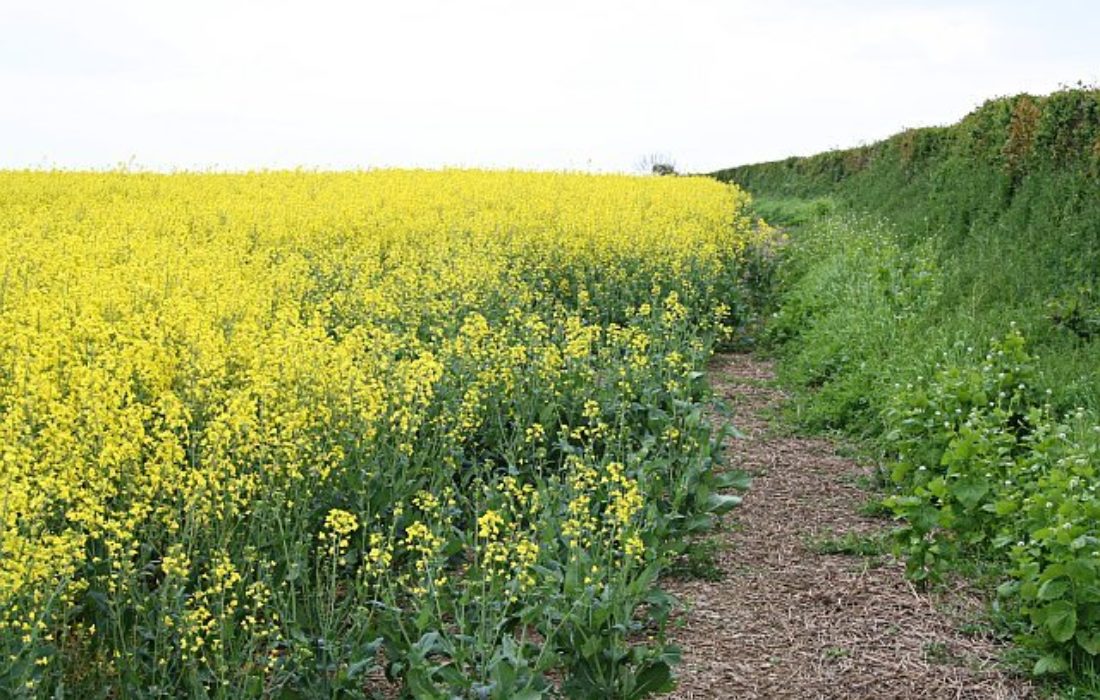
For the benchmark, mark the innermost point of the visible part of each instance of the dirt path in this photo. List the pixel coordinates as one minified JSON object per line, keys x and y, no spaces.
{"x":793,"y":619}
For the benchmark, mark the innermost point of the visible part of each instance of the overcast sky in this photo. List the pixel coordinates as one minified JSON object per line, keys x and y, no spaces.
{"x":555,"y":84}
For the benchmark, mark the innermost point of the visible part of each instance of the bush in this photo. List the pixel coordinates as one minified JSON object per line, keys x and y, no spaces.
{"x":983,"y":464}
{"x":938,"y":240}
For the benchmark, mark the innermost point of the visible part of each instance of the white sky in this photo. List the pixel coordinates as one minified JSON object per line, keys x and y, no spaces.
{"x":236,"y":84}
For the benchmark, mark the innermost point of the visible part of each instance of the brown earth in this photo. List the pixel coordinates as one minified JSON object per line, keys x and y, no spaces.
{"x":791,"y":618}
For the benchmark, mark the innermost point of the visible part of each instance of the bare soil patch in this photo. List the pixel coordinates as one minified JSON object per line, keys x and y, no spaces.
{"x":794,"y":618}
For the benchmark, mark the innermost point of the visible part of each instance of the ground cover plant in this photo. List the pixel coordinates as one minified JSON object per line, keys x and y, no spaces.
{"x":289,"y":434}
{"x":937,"y":297}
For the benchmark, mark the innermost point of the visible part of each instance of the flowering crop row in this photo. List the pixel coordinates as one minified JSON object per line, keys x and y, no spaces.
{"x":283,"y":434}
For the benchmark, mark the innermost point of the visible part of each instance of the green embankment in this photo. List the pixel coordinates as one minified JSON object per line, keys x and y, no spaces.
{"x":941,"y":296}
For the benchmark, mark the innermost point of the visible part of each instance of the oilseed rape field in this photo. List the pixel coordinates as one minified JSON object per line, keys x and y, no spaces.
{"x":302,"y":434}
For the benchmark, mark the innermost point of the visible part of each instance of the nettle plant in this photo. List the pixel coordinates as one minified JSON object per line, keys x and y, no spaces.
{"x":982,"y":462}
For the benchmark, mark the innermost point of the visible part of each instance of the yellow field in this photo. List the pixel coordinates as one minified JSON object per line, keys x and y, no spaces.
{"x":243,"y":413}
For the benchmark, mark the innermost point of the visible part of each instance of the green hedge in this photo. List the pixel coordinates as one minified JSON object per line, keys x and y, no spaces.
{"x":940,"y":295}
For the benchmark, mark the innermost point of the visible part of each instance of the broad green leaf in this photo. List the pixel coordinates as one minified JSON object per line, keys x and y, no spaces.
{"x":1052,"y":590}
{"x":937,"y":487}
{"x":1005,"y":507}
{"x":654,"y":678}
{"x":720,"y":503}
{"x":1089,"y":641}
{"x":1060,"y":619}
{"x":733,"y":479}
{"x":698,"y":523}
{"x":1049,"y":664}
{"x":421,"y":686}
{"x":970,"y":493}
{"x":591,"y":647}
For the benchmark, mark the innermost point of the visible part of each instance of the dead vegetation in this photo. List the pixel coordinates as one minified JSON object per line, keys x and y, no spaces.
{"x":810,"y":604}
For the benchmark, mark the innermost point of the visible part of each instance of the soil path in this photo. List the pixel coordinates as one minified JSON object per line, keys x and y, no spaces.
{"x":791,"y":618}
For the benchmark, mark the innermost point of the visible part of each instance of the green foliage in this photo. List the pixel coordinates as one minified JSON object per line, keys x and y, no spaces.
{"x":1014,"y":199}
{"x":793,"y":211}
{"x":852,"y":297}
{"x":972,"y":411}
{"x":1077,"y":311}
{"x":943,"y":239}
{"x":982,"y":462}
{"x":851,"y":543}
{"x":700,"y":561}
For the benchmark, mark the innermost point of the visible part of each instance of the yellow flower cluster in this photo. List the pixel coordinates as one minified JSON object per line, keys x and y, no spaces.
{"x":176,"y":563}
{"x":339,"y":524}
{"x":214,"y":603}
{"x":179,"y":352}
{"x":604,"y":506}
{"x":423,"y":544}
{"x":508,"y":546}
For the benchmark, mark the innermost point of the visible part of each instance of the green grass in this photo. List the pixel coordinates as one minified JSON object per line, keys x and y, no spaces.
{"x":874,"y":508}
{"x":793,"y":211}
{"x":851,"y":543}
{"x":700,"y":561}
